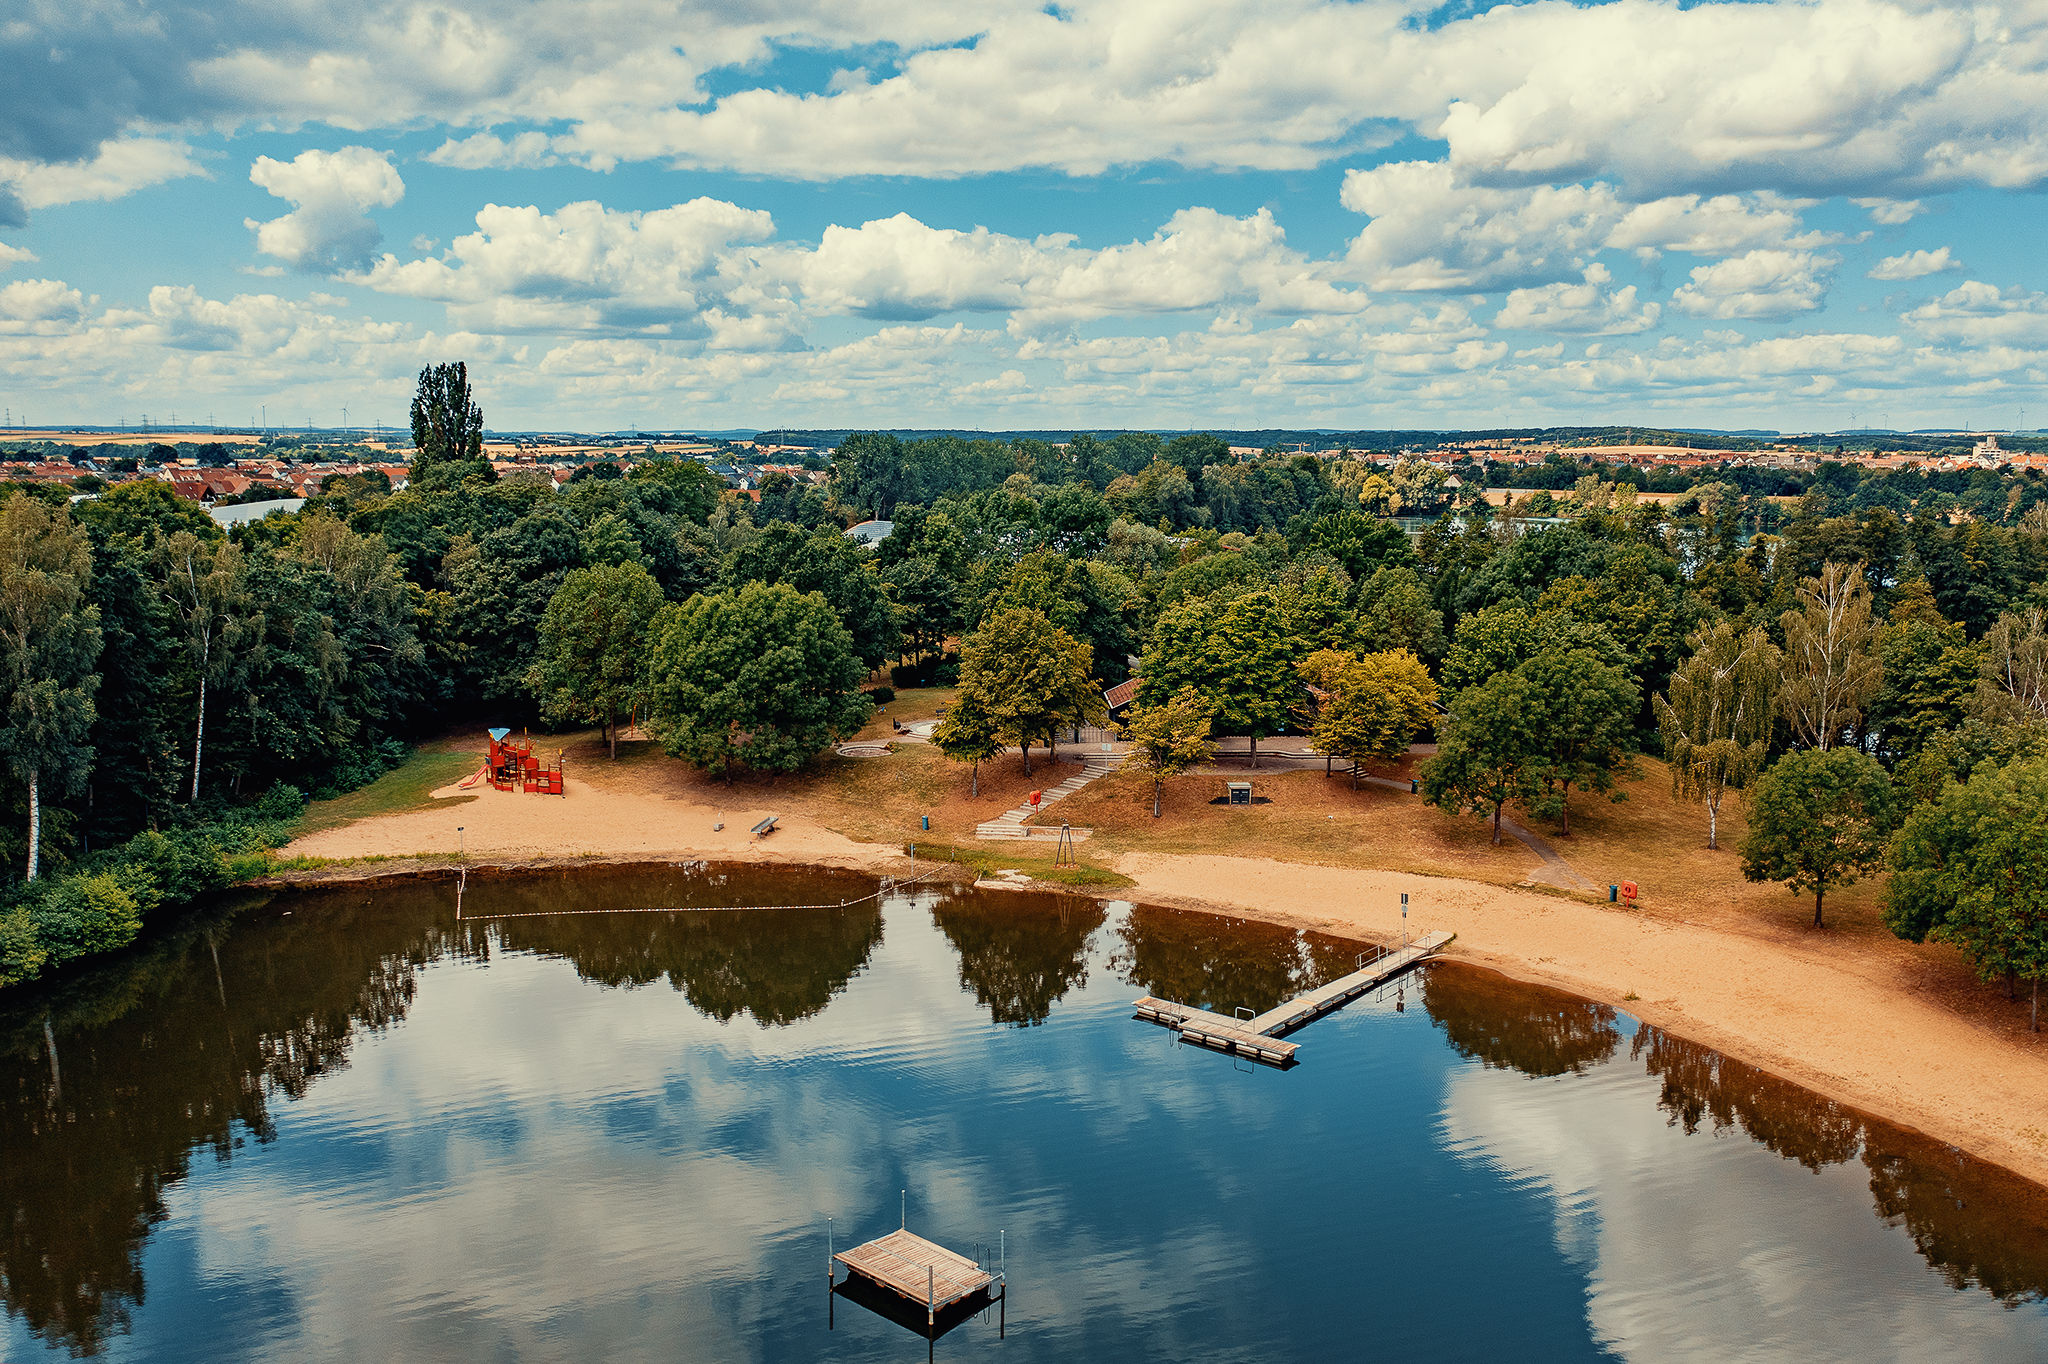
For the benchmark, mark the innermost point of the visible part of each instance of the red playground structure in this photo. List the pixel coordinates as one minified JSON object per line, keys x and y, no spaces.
{"x":511,"y":766}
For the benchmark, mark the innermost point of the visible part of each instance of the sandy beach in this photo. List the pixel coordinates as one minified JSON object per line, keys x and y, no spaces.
{"x":1857,"y":1021}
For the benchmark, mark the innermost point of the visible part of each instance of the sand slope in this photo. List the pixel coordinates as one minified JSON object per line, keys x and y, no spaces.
{"x":1850,"y":1024}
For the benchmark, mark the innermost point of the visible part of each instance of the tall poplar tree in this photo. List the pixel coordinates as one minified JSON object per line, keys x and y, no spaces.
{"x":447,"y":424}
{"x":49,"y":645}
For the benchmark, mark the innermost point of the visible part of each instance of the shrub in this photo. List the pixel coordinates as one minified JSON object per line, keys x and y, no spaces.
{"x":881,"y":696}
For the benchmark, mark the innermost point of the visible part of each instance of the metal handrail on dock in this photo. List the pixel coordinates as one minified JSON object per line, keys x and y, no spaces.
{"x":1258,"y":1037}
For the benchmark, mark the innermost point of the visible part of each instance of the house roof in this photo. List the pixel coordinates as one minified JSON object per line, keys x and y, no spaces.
{"x":1122,"y":694}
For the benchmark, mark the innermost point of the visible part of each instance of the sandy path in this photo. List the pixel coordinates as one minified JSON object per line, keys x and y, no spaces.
{"x":591,"y":821}
{"x":1854,"y":1028}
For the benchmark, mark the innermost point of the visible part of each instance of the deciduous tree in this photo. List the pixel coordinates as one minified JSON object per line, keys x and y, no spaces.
{"x":1585,"y":717}
{"x":1830,"y":671}
{"x":1717,"y":720}
{"x":593,"y":655}
{"x":1374,"y":705}
{"x":1818,"y":818}
{"x":49,"y":644}
{"x":968,"y":734}
{"x":1030,"y":676}
{"x":208,"y":585}
{"x":764,"y":677}
{"x":1971,"y":868}
{"x":1490,"y":751}
{"x":1238,"y":658}
{"x":1171,"y":737}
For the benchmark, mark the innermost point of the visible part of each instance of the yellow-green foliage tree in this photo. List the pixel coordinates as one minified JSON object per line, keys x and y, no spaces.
{"x":1030,"y":677}
{"x":1171,"y":737}
{"x":49,"y":646}
{"x":595,"y":640}
{"x":1373,"y":705}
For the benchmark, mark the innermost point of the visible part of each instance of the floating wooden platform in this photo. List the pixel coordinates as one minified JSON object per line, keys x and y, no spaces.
{"x":1259,"y":1037}
{"x":927,"y":1274}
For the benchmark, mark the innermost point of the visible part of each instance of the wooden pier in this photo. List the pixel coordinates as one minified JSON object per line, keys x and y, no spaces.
{"x":1259,"y":1037}
{"x":922,"y":1273}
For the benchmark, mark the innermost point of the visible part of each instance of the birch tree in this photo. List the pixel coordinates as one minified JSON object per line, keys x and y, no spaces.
{"x":207,"y":582}
{"x":49,"y":646}
{"x":1830,"y":671}
{"x":2015,"y":664}
{"x":1717,"y":719}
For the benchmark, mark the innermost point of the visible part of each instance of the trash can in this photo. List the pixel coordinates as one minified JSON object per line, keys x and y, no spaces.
{"x":1613,"y":894}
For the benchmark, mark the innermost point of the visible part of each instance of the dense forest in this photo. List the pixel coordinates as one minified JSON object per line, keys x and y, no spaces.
{"x":1841,"y":646}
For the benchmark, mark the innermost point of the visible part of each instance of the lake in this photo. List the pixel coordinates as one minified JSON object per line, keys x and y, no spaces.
{"x":340,"y":1124}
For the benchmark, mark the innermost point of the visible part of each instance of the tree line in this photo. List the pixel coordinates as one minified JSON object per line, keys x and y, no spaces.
{"x":171,"y":680}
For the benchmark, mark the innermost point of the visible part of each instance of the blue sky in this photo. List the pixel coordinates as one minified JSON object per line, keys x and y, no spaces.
{"x":1149,"y":213}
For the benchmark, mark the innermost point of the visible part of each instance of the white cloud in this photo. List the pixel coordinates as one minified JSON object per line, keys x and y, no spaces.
{"x":120,"y":167}
{"x":1757,"y":284}
{"x":11,"y":256}
{"x":1890,"y":212}
{"x":40,"y":300}
{"x":1201,"y":259}
{"x":1432,"y":231}
{"x":329,"y":227}
{"x":1978,"y":314}
{"x":1588,"y":307}
{"x":589,"y":268}
{"x":1915,"y":265}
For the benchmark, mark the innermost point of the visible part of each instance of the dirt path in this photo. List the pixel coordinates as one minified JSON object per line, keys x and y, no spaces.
{"x":1849,"y":1023}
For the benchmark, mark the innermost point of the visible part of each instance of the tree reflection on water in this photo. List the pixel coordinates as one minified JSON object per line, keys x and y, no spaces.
{"x":115,"y":1079}
{"x":1019,"y":954}
{"x":112,"y":1080}
{"x":1223,"y":964}
{"x":778,"y":966}
{"x":1976,"y":1224}
{"x":1507,"y":1025}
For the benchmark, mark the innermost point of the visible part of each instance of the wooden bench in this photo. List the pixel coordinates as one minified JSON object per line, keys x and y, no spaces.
{"x":767,"y":826}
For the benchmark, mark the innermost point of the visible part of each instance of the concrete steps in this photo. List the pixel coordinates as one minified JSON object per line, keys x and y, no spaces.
{"x":1009,"y":825}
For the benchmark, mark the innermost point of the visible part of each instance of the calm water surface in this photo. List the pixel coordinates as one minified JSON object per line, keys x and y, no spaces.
{"x":342,"y":1125}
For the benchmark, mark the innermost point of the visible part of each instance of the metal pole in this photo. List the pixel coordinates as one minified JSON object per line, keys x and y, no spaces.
{"x":902,"y":1209}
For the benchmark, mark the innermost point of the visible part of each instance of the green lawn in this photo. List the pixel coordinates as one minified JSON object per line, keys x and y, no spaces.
{"x":407,"y":786}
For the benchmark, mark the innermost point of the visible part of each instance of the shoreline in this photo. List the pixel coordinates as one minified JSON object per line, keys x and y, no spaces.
{"x":1883,"y":1049}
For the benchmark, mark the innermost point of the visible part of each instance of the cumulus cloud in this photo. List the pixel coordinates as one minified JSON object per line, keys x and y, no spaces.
{"x":1915,"y":265}
{"x":1431,"y":230}
{"x":119,"y":168}
{"x":1200,"y":259}
{"x":708,"y":269}
{"x":40,"y":300}
{"x":675,"y":271}
{"x":1978,"y":314}
{"x":1587,"y":307}
{"x":331,"y":193}
{"x":11,"y":256}
{"x":1757,"y":284}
